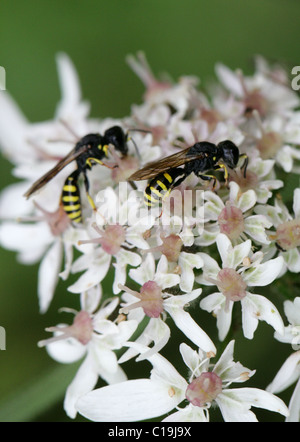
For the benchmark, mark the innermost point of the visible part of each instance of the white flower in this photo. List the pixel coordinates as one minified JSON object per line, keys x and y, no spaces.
{"x":260,"y":177}
{"x":276,"y":137}
{"x":234,"y":218}
{"x":287,"y":235}
{"x":258,"y":91}
{"x":48,"y":236}
{"x":291,"y":331}
{"x":289,"y":373}
{"x":240,"y":269}
{"x":95,"y":338}
{"x":159,"y":250}
{"x":141,"y":399}
{"x":158,"y":93}
{"x":153,"y":301}
{"x":121,"y":230}
{"x":47,"y":240}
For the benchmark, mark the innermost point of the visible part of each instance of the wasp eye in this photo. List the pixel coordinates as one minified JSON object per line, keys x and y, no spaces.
{"x":230,"y":153}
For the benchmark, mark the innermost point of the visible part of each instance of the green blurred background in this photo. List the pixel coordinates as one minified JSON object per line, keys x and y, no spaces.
{"x":180,"y":38}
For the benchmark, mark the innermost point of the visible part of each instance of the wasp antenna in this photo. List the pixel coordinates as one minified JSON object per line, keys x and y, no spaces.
{"x":59,"y":140}
{"x":140,"y":130}
{"x":69,"y":128}
{"x":244,"y":156}
{"x":136,"y":149}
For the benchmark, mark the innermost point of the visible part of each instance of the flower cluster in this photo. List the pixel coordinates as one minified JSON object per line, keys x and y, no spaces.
{"x":209,"y":247}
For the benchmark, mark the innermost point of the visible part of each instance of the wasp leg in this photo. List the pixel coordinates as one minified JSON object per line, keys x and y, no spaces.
{"x":209,"y":178}
{"x":128,"y":138}
{"x":87,"y":186}
{"x":222,"y":166}
{"x":244,"y":156}
{"x":96,"y":160}
{"x":70,"y":197}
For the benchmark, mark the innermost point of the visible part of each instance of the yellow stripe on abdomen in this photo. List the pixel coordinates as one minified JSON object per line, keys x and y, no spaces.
{"x":69,"y":188}
{"x":72,"y":207}
{"x":70,"y":199}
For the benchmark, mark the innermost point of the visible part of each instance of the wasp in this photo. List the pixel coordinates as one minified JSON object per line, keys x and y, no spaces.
{"x":88,"y":151}
{"x":169,"y":172}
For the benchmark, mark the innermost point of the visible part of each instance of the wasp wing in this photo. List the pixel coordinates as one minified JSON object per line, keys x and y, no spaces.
{"x":37,"y":185}
{"x":153,"y":169}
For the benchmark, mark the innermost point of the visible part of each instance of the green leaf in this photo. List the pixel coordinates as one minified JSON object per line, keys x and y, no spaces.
{"x":31,"y":400}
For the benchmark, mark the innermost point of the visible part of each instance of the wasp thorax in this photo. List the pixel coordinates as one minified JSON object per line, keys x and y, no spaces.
{"x":269,"y":144}
{"x":288,"y":234}
{"x":231,"y":284}
{"x":231,"y":221}
{"x":204,"y":389}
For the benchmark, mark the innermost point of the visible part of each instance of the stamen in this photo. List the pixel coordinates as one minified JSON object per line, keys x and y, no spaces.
{"x":204,"y":389}
{"x":151,"y":300}
{"x":58,"y":221}
{"x":231,"y":221}
{"x":171,"y":247}
{"x":232,"y":285}
{"x":81,"y":329}
{"x":110,"y":239}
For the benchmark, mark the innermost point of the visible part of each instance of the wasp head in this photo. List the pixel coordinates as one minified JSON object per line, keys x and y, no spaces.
{"x":116,"y":136}
{"x":229,"y":152}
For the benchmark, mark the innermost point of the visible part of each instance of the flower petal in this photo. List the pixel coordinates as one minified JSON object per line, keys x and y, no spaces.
{"x":66,"y":351}
{"x":294,"y":405}
{"x":292,"y":260}
{"x":145,"y":272}
{"x":128,"y":401}
{"x":296,"y":203}
{"x":48,"y":275}
{"x":287,"y":375}
{"x":260,"y":398}
{"x":258,"y":308}
{"x":210,"y":269}
{"x":265,"y":273}
{"x":187,"y":262}
{"x":232,"y":256}
{"x":187,"y":414}
{"x":255,"y":227}
{"x":230,"y":79}
{"x":216,"y":303}
{"x":232,"y":409}
{"x":93,"y":276}
{"x":191,"y":329}
{"x":229,"y":370}
{"x":83,"y":382}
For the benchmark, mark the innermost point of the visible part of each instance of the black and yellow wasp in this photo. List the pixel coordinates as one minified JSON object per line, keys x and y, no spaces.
{"x":167,"y":173}
{"x":89,"y":150}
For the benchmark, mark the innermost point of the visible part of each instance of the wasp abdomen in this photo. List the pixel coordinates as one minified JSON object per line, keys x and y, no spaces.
{"x":70,"y":198}
{"x":161,"y":186}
